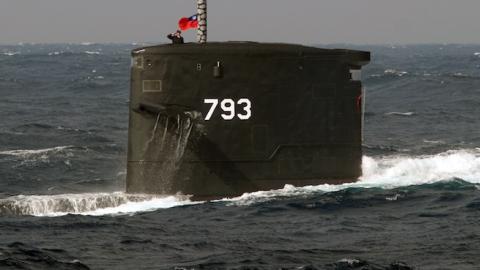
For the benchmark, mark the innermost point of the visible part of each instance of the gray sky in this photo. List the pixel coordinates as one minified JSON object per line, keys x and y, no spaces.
{"x":299,"y":21}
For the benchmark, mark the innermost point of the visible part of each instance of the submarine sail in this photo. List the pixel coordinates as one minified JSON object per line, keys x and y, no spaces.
{"x":220,"y":119}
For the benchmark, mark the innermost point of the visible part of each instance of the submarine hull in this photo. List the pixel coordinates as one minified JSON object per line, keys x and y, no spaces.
{"x":220,"y":119}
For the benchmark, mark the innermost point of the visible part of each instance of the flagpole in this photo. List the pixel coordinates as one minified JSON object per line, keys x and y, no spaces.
{"x":202,"y":21}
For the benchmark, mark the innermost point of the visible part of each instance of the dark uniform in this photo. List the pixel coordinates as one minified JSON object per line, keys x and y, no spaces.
{"x":175,"y":39}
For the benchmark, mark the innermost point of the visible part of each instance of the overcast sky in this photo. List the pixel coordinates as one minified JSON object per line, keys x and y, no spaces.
{"x":299,"y":21}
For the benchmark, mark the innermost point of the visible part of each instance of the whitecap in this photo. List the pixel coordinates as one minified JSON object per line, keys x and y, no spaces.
{"x":394,"y":197}
{"x":11,"y":53}
{"x":401,"y":113}
{"x":460,"y":75}
{"x":395,"y":72}
{"x":35,"y":156}
{"x":390,"y":71}
{"x":92,"y":52}
{"x":434,"y":141}
{"x":55,"y":53}
{"x":27,"y":153}
{"x":477,"y":54}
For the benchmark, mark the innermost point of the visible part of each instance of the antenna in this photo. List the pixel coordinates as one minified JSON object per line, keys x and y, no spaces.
{"x":202,"y":21}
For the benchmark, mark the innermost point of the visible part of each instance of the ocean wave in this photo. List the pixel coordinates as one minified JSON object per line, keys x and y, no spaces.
{"x":11,"y":53}
{"x":383,"y":148}
{"x":395,"y":72}
{"x":33,"y":126}
{"x":433,"y":141}
{"x":400,"y":113}
{"x":460,"y":75}
{"x":35,"y":156}
{"x":92,"y":52}
{"x":388,"y":73}
{"x":93,"y":204}
{"x":68,"y":129}
{"x":56,"y":53}
{"x":18,"y":255}
{"x":27,"y":153}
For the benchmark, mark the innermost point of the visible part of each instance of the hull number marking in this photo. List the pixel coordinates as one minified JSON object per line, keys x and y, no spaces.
{"x":228,"y":107}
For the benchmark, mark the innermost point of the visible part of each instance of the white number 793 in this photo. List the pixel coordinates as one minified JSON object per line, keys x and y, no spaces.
{"x":228,"y":108}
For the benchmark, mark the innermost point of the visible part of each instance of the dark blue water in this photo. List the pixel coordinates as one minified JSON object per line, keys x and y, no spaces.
{"x":63,"y":132}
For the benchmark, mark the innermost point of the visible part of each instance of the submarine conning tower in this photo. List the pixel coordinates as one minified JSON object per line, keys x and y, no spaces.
{"x":220,"y":119}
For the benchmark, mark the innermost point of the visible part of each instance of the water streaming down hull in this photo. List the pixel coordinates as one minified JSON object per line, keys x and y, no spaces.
{"x":169,"y":139}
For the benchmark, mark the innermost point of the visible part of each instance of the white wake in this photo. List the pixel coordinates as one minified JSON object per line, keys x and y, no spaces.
{"x":380,"y":172}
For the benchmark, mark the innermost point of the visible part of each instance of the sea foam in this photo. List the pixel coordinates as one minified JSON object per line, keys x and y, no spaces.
{"x":94,"y":204}
{"x":26,"y":153}
{"x":390,"y":172}
{"x":11,"y":53}
{"x":92,"y":52}
{"x":400,"y":113}
{"x":386,"y":172}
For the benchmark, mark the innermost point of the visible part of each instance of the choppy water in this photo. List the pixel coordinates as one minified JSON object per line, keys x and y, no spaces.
{"x":63,"y":138}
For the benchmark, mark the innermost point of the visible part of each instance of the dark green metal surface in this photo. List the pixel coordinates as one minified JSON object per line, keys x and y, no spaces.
{"x":305,"y":125}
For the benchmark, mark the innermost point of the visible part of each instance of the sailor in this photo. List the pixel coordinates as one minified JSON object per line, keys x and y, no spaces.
{"x":176,"y":37}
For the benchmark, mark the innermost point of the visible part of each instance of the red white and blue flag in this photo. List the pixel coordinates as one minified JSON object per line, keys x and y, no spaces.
{"x":187,"y":23}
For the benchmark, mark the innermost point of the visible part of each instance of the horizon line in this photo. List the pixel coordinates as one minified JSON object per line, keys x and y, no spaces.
{"x":88,"y":43}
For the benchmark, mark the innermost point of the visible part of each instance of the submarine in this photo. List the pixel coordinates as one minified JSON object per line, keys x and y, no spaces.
{"x":218,"y":119}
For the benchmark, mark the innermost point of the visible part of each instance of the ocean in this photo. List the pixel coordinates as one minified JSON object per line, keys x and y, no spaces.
{"x":63,"y":139}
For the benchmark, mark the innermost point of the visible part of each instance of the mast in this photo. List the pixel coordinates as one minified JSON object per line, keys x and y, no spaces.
{"x":202,"y":21}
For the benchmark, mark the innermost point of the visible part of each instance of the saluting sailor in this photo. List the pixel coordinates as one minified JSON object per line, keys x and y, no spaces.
{"x":176,"y":37}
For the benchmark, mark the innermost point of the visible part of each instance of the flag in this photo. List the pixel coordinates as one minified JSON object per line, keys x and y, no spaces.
{"x":187,"y":23}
